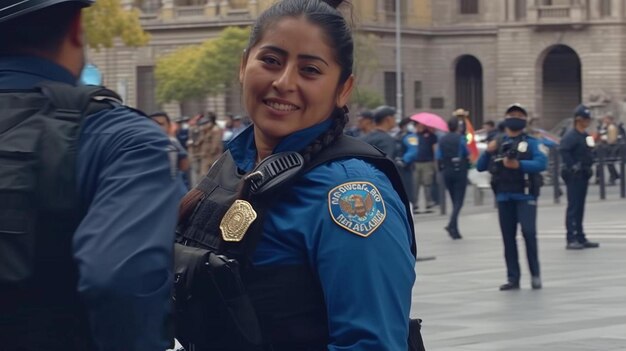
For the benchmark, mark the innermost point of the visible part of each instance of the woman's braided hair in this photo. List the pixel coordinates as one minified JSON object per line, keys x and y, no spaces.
{"x":340,"y":119}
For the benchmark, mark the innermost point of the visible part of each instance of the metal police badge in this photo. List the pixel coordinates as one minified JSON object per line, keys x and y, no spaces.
{"x":237,"y":220}
{"x":357,"y":207}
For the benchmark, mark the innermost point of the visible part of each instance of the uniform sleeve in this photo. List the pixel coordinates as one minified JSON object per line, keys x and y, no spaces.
{"x":367,"y":281}
{"x":124,"y":245}
{"x":566,"y":149}
{"x":483,"y":162}
{"x":464,"y":149}
{"x":388,"y":146}
{"x":539,"y":161}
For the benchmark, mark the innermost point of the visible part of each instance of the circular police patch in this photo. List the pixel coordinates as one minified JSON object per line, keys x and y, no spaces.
{"x":412,"y":140}
{"x":357,"y":207}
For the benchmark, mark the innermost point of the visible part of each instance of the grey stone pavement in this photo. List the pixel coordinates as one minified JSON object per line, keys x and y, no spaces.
{"x":582,"y":305}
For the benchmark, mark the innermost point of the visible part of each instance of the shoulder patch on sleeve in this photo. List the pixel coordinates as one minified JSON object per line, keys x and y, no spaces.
{"x":544,"y":149}
{"x":358,"y":207}
{"x":412,"y":140}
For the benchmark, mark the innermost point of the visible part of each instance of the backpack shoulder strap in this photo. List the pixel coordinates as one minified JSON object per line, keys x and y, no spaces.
{"x":83,"y":100}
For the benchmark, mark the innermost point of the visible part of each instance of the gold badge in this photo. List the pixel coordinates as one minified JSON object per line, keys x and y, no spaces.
{"x":237,"y":220}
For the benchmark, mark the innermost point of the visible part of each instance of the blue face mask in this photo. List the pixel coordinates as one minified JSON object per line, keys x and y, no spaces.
{"x":515,"y":124}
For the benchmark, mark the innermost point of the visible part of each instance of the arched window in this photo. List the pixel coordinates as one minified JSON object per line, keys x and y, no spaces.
{"x":469,"y":7}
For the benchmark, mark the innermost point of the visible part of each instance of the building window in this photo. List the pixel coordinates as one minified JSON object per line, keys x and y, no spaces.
{"x":520,"y":9}
{"x":546,"y":2}
{"x":390,"y":6}
{"x":437,"y":102}
{"x":146,"y":86}
{"x":417,"y":94}
{"x":391,"y":93}
{"x":469,"y":7}
{"x":148,"y":6}
{"x":605,"y":8}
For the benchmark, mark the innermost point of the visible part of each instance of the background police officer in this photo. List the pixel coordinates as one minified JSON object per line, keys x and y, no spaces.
{"x":102,"y":268}
{"x":577,"y":153}
{"x":452,"y":158}
{"x":384,"y":118}
{"x":406,"y":143}
{"x":515,"y":161}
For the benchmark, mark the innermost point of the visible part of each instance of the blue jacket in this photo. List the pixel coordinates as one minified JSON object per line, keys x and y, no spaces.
{"x":538,"y":163}
{"x":409,"y":143}
{"x":124,"y":245}
{"x":366,"y":281}
{"x":463,"y":149}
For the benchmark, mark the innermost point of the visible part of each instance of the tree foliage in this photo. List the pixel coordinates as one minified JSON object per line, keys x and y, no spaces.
{"x":366,"y":62}
{"x":199,"y":70}
{"x":365,"y":98}
{"x":106,"y":20}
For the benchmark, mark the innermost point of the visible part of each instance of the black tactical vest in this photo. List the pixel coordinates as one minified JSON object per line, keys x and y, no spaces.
{"x":506,"y":180}
{"x":39,"y":212}
{"x":450,"y":145}
{"x":288,"y":299}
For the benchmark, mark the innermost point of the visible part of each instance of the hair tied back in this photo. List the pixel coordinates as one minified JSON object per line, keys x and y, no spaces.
{"x":334,"y":3}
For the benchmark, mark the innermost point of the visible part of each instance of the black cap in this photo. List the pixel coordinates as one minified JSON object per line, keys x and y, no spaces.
{"x":15,"y":8}
{"x":517,"y":107}
{"x":381,"y":112}
{"x":367,"y":114}
{"x":582,"y":111}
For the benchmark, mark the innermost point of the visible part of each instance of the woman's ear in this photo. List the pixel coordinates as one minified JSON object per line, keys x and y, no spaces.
{"x":242,"y":65}
{"x":343,"y":96}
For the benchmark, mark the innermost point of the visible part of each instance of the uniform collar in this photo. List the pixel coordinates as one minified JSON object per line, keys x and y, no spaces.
{"x":243,"y":149}
{"x":23,"y":72}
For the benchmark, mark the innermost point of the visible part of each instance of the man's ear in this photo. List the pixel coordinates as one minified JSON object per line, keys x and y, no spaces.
{"x":75,"y":31}
{"x":343,"y":96}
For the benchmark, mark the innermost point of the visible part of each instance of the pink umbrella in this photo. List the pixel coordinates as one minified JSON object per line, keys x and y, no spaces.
{"x":430,"y":120}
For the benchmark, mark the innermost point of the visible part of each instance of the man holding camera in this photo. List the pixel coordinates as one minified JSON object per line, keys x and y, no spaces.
{"x":515,"y":161}
{"x":577,"y":154}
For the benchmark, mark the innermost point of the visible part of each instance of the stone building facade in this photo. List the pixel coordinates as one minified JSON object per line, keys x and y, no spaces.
{"x":481,"y":55}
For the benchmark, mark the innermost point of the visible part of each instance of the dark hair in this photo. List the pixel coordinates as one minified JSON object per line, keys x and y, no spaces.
{"x":404,"y":122}
{"x":161,"y":114}
{"x":41,"y":30}
{"x":367,"y":114}
{"x":453,"y":124}
{"x":322,"y":13}
{"x":490,"y":123}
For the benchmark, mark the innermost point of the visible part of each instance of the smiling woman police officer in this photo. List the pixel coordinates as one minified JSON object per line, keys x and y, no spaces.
{"x":333,"y":267}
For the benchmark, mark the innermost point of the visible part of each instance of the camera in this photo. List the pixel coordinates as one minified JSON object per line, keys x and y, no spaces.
{"x":509,"y":150}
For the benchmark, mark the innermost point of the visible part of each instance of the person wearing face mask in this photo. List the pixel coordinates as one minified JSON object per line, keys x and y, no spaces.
{"x":576,"y":150}
{"x":515,"y":162}
{"x":87,"y":197}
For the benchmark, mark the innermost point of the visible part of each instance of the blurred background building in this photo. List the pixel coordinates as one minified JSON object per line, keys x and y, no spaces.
{"x":481,"y":55}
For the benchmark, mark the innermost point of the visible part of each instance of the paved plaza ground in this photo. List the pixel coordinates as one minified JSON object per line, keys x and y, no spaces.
{"x":582,"y":305}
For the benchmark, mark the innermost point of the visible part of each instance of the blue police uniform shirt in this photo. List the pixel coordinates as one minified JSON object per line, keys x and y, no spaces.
{"x":366,"y":281}
{"x":537,"y":164}
{"x":424,"y":151}
{"x":124,"y":245}
{"x":410,"y":147}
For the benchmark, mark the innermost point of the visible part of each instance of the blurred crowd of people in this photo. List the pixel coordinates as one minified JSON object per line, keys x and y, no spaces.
{"x":197,"y":142}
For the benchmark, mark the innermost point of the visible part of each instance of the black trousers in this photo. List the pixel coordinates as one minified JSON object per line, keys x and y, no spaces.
{"x":456,"y":184}
{"x":576,"y":196}
{"x":511,"y":213}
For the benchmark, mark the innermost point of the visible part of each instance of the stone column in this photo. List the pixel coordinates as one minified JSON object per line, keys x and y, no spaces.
{"x":253,"y":8}
{"x":167,"y":11}
{"x":210,"y":9}
{"x":224,"y":8}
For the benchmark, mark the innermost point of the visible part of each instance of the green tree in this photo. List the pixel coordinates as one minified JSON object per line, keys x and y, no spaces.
{"x":206,"y":69}
{"x":106,"y":20}
{"x":366,"y":62}
{"x":365,"y":98}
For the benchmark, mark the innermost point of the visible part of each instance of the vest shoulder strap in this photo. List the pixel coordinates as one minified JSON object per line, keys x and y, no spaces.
{"x":82,"y":100}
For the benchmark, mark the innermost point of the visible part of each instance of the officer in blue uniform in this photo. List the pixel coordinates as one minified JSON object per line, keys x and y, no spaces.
{"x":385,"y":121}
{"x":515,"y":161}
{"x":576,"y":150}
{"x":452,"y":158}
{"x":406,"y":143}
{"x":115,"y":294}
{"x":332,"y":269}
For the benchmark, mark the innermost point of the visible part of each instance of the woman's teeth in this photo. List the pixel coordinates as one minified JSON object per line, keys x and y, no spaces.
{"x":281,"y":107}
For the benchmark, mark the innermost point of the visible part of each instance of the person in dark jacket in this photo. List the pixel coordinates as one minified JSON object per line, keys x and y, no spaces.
{"x":577,"y":154}
{"x":453,"y":160}
{"x":384,"y":118}
{"x":103,"y":270}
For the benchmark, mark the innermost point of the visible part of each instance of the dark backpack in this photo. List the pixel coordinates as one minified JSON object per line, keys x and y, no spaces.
{"x":39,"y":129}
